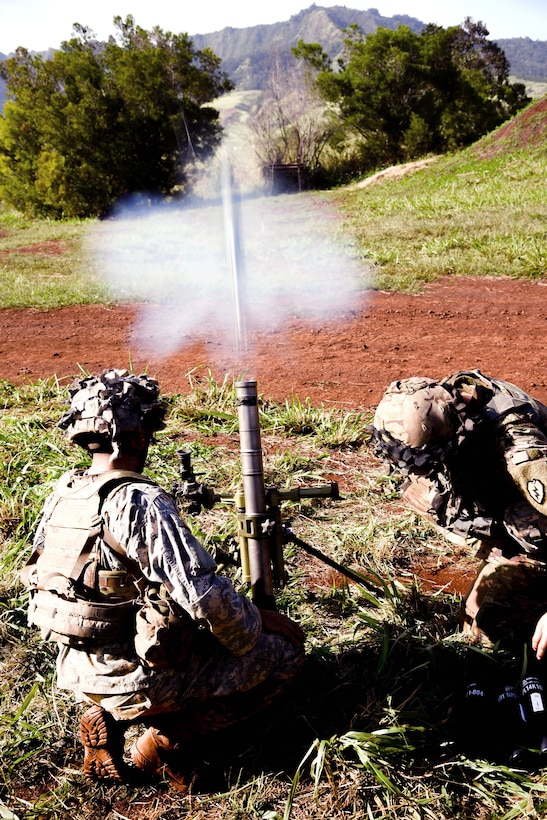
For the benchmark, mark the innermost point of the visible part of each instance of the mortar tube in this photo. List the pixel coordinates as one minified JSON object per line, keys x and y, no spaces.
{"x":252,"y":470}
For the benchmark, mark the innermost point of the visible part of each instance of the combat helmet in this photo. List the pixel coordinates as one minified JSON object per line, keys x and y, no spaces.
{"x":413,"y":421}
{"x":106,"y":409}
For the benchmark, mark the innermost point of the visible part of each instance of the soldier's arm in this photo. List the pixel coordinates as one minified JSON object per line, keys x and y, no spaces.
{"x":169,"y":554}
{"x":524,"y":447}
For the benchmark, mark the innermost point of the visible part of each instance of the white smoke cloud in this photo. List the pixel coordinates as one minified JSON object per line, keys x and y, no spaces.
{"x":176,"y":262}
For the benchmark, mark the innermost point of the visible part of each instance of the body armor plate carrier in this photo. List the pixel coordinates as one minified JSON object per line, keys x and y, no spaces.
{"x":73,"y":598}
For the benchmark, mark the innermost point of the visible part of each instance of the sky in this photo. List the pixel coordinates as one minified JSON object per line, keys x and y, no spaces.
{"x":41,"y":24}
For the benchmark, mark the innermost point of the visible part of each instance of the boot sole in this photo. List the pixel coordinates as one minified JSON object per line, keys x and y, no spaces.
{"x":96,"y":735}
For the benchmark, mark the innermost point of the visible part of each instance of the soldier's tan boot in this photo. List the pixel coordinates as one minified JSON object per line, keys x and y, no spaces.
{"x":103,"y":742}
{"x":155,"y":754}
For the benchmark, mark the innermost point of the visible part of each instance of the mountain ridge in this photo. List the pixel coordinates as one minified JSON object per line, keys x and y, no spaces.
{"x":246,"y":53}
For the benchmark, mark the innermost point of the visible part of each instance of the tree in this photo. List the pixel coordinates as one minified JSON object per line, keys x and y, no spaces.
{"x":406,"y":95}
{"x":291,"y":124}
{"x":102,"y":120}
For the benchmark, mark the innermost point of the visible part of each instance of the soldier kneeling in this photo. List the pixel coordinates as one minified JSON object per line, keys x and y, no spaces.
{"x":147,"y":631}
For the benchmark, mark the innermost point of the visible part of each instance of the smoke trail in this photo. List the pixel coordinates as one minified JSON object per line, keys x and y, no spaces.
{"x":174,"y":261}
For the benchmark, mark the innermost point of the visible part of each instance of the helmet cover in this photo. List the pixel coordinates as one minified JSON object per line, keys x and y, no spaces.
{"x":416,"y":411}
{"x":105,"y":407}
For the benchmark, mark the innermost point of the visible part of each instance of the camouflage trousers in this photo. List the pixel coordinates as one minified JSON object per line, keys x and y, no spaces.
{"x":213,"y":688}
{"x":505,"y":601}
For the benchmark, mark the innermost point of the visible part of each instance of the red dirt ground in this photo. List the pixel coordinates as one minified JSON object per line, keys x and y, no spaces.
{"x":497,"y":325}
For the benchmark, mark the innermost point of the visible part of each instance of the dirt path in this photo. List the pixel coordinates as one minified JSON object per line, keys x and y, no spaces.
{"x":495,"y":324}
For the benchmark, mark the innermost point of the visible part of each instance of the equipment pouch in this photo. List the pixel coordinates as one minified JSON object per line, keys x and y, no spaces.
{"x":164,"y":632}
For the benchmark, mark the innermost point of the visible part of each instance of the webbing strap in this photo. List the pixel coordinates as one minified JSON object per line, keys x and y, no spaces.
{"x":92,"y":535}
{"x":131,"y":566}
{"x":99,"y":489}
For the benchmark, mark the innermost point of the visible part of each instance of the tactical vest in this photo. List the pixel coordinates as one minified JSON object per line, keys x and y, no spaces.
{"x":74,"y":599}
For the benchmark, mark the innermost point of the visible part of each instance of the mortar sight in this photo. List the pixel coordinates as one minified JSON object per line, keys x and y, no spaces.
{"x":189,"y":493}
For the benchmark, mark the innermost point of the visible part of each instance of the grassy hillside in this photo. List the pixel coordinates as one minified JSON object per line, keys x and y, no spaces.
{"x":480,"y":212}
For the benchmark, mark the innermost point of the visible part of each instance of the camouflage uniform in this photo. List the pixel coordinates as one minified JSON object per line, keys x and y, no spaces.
{"x":476,"y":465}
{"x":228,"y":653}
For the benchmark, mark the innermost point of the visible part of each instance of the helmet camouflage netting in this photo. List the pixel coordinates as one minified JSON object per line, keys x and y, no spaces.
{"x":105,"y":407}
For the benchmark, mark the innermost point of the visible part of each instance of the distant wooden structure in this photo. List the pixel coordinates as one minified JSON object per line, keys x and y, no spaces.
{"x":286,"y":177}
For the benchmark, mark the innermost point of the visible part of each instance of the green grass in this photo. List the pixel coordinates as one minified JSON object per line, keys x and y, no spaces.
{"x":459,"y":216}
{"x":42,"y":263}
{"x":366,"y":732}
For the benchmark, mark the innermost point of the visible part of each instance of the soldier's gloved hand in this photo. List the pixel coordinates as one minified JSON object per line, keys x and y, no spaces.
{"x":277,"y":622}
{"x":420,"y":493}
{"x":539,"y":638}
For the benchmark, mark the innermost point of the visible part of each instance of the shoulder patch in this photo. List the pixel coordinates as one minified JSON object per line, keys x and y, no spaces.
{"x":536,"y":490}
